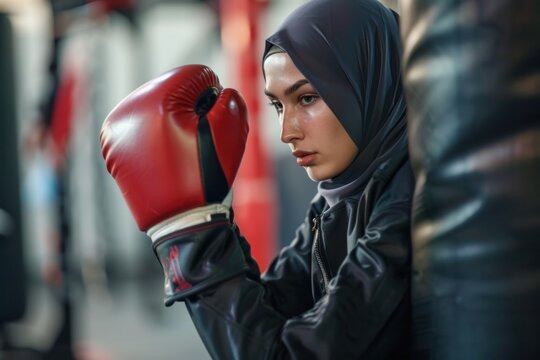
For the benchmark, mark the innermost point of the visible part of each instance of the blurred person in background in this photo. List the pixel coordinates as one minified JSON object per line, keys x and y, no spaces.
{"x":341,"y":288}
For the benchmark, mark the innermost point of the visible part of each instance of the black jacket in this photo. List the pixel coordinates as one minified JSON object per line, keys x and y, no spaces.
{"x":358,"y":310}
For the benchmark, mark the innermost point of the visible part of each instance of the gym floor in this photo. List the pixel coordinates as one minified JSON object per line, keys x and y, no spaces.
{"x":128,"y":323}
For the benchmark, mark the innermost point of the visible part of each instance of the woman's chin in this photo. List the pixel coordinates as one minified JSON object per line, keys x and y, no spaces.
{"x":315,"y":175}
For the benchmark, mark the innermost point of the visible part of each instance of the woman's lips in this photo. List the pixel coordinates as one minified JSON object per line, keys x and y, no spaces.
{"x":304,"y":158}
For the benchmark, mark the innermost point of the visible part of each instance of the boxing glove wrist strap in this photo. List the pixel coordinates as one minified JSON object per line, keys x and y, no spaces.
{"x":199,"y":258}
{"x":187,"y":219}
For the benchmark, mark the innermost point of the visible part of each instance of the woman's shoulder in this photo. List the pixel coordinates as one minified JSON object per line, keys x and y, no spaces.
{"x":403,"y":178}
{"x":392,"y":186}
{"x":398,"y":186}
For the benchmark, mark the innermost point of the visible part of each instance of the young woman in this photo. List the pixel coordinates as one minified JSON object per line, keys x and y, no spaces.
{"x":340,"y":290}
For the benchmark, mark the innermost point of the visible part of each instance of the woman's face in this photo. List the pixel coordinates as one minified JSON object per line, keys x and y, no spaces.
{"x":317,"y":139}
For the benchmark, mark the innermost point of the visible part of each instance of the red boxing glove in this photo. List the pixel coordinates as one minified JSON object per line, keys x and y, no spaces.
{"x":175,"y":144}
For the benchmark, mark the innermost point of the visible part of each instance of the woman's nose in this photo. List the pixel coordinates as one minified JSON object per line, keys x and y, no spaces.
{"x":290,"y":129}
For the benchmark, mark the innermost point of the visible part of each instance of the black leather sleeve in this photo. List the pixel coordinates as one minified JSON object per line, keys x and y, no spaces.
{"x":362,"y":316}
{"x":198,"y":257}
{"x":289,"y":275}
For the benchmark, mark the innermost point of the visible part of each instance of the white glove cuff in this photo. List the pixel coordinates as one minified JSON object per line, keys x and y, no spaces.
{"x":186,"y":219}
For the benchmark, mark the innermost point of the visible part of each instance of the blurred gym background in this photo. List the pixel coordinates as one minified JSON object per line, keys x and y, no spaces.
{"x":79,"y":281}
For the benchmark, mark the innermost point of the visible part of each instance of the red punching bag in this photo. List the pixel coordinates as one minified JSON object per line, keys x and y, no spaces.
{"x":254,"y":194}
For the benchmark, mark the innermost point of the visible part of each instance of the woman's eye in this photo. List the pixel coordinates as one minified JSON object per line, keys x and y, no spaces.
{"x":277,"y":105}
{"x":307,"y":99}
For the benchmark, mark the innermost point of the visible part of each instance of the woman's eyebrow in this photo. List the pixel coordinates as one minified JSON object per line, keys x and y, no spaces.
{"x":291,"y":89}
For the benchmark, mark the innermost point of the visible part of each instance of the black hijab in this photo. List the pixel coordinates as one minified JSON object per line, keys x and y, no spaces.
{"x":350,"y":51}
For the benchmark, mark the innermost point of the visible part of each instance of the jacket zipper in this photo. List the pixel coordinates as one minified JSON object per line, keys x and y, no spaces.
{"x":317,"y":250}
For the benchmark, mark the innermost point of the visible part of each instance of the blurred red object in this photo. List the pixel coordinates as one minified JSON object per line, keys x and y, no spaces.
{"x":112,"y":5}
{"x":63,"y":113}
{"x":254,"y":199}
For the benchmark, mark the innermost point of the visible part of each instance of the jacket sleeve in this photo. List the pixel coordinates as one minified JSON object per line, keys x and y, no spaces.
{"x":248,"y":317}
{"x":289,"y":275}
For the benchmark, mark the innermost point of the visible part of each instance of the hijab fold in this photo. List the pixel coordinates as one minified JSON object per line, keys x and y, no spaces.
{"x":350,"y":50}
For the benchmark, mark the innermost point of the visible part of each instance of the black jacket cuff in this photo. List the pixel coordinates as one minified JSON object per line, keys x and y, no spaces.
{"x":199,"y":257}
